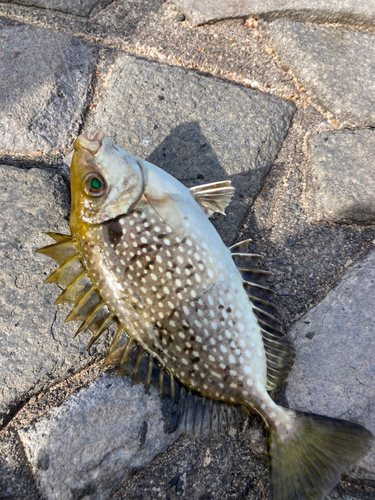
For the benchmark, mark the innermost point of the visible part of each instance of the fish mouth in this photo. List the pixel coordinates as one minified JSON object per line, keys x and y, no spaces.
{"x":92,"y":146}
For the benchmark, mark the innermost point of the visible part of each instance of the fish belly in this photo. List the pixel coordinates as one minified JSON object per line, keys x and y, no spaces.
{"x":182,"y":299}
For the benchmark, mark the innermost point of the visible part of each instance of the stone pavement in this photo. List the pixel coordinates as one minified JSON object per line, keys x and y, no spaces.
{"x":279,"y":100}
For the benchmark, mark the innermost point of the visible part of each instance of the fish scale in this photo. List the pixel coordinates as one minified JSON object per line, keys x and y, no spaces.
{"x":193,"y":317}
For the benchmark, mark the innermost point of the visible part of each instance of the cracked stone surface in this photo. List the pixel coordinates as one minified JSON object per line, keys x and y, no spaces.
{"x":361,"y":12}
{"x":334,"y":371}
{"x":196,"y":128}
{"x":36,"y":349}
{"x":341,"y":176}
{"x":337,"y":67}
{"x":75,"y":7}
{"x":44,"y":83}
{"x":97,"y":439}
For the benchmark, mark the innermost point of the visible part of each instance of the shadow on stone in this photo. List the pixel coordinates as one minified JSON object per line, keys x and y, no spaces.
{"x":186,"y":154}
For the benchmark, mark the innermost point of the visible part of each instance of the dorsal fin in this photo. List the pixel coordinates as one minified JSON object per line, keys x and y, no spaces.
{"x":79,"y":290}
{"x":213,"y":197}
{"x":197,"y":415}
{"x":279,"y":349}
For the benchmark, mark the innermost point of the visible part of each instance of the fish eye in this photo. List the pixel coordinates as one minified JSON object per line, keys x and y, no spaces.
{"x":94,"y":184}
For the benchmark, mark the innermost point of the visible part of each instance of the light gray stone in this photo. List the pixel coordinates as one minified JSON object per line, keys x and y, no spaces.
{"x":341,"y":176}
{"x":76,"y":7}
{"x":197,"y":128}
{"x":44,"y":80}
{"x":96,"y":439}
{"x":360,"y":12}
{"x":334,"y":371}
{"x":36,"y":349}
{"x":337,"y":67}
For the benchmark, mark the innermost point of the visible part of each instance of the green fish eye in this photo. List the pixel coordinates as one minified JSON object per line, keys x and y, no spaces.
{"x":95,"y":183}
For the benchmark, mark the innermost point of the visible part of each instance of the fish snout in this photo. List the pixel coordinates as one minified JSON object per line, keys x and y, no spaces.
{"x":91,"y":145}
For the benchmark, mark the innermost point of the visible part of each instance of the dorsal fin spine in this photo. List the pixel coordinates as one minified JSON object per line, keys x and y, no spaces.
{"x":186,"y":411}
{"x":52,"y":277}
{"x":210,"y":418}
{"x":161,"y":381}
{"x":86,"y":324}
{"x":125,"y":353}
{"x":101,"y":329}
{"x":202,"y":417}
{"x":139,"y":357}
{"x":173,"y":395}
{"x":60,"y":298}
{"x":81,"y":302}
{"x":149,"y":373}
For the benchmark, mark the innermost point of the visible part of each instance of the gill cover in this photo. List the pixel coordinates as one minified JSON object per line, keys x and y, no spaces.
{"x":105,"y":181}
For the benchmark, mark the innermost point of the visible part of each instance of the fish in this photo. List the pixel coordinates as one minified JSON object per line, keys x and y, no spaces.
{"x":192,"y":316}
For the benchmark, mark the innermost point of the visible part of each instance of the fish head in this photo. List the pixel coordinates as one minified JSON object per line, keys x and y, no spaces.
{"x":105,"y":181}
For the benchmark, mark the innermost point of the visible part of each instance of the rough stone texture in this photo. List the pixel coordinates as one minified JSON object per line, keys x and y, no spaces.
{"x":360,"y":12}
{"x":231,"y":466}
{"x":44,"y":80}
{"x":334,"y":371}
{"x":196,"y":128}
{"x":16,"y":481}
{"x":337,"y":66}
{"x":96,"y":439}
{"x":75,"y":7}
{"x":341,"y":176}
{"x":36,"y":349}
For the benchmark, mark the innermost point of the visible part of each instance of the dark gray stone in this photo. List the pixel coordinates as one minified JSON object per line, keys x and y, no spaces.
{"x":231,"y":466}
{"x":96,"y":439}
{"x":16,"y":479}
{"x":76,"y":7}
{"x":334,"y":371}
{"x":44,"y":80}
{"x":197,"y":128}
{"x":36,"y":349}
{"x":335,"y":11}
{"x":341,"y":176}
{"x":337,"y":67}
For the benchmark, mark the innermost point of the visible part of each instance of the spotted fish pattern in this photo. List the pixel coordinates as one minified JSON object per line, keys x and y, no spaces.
{"x":144,"y":255}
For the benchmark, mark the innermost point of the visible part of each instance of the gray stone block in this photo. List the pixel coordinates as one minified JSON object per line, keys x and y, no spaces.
{"x":197,"y":128}
{"x":76,"y":7}
{"x":360,"y":12}
{"x":44,"y":80}
{"x":96,"y":439}
{"x":337,"y":67}
{"x":341,"y":176}
{"x":36,"y":349}
{"x":334,"y":371}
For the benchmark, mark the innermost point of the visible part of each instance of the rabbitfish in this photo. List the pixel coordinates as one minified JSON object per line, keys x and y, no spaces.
{"x":189,"y":311}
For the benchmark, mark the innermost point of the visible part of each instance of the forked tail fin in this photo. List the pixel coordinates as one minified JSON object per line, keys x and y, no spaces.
{"x":308,"y":464}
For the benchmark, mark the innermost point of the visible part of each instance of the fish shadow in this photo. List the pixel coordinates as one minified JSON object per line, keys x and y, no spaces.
{"x":186,"y":154}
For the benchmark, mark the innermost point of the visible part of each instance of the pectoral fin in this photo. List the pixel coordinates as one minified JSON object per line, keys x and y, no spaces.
{"x":213,"y":197}
{"x":167,"y":210}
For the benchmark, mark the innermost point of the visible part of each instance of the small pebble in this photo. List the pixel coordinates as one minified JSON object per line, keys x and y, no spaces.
{"x":180,"y":17}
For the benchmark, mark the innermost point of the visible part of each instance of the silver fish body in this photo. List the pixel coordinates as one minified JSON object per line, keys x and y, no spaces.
{"x":156,"y":265}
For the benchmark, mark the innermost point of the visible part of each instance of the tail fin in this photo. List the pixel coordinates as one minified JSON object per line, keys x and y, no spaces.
{"x":309,"y":463}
